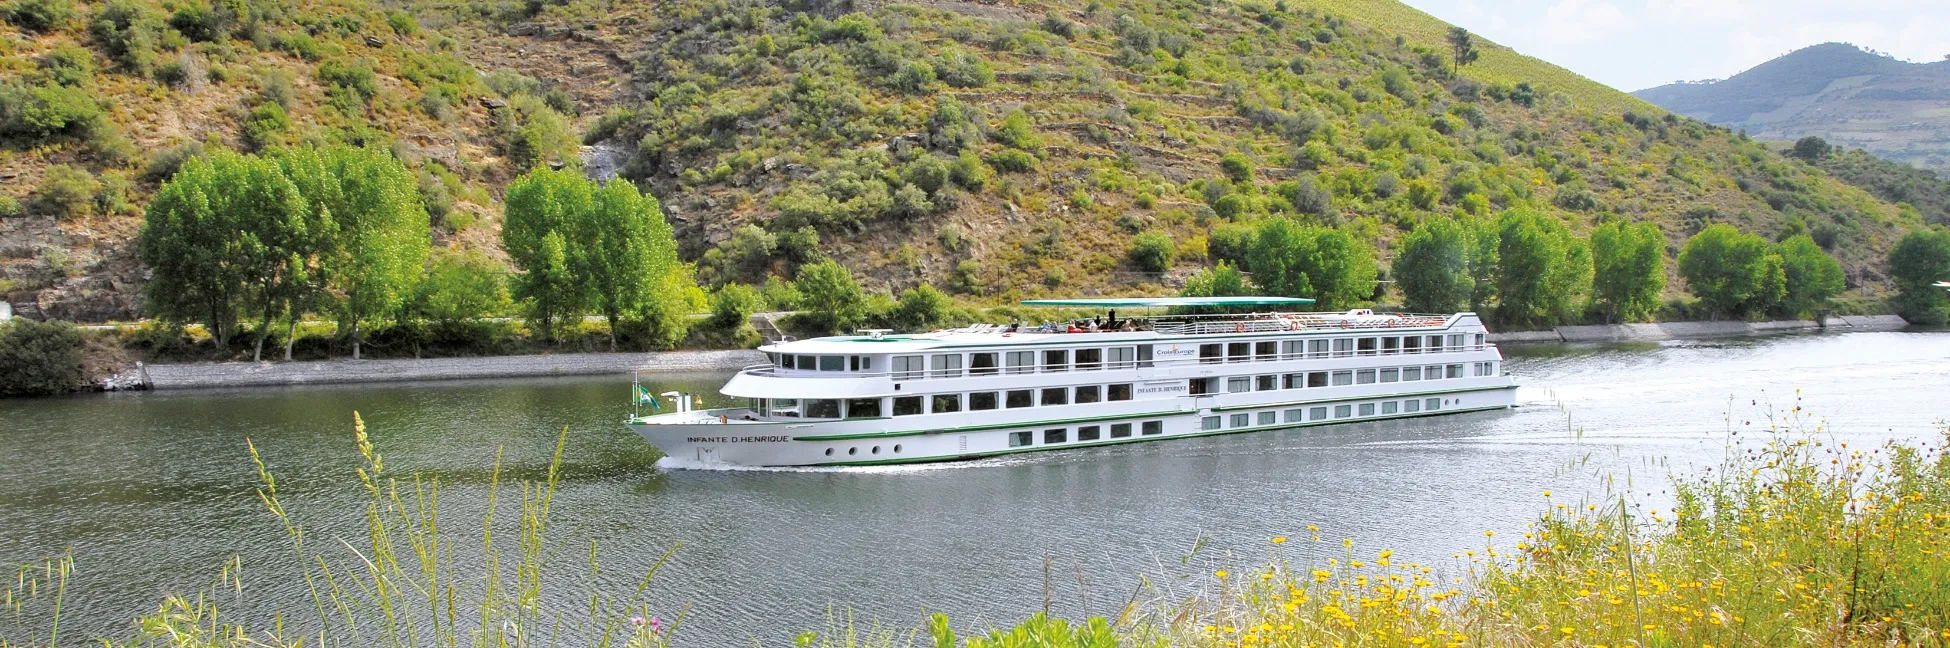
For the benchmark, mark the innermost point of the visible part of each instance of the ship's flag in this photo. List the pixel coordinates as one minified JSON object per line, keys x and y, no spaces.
{"x":644,"y":397}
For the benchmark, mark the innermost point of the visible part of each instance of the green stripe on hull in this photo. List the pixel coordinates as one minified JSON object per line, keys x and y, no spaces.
{"x":1160,"y":437}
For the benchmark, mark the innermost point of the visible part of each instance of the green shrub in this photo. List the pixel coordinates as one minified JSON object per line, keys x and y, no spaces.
{"x":35,"y":115}
{"x":40,"y":15}
{"x":1017,"y":130}
{"x":266,"y":126}
{"x":301,"y":45}
{"x":42,"y":358}
{"x":68,"y":65}
{"x":10,"y":207}
{"x":66,"y":192}
{"x":1012,"y":161}
{"x":733,"y":305}
{"x":352,"y":84}
{"x":1152,"y":252}
{"x":164,"y":163}
{"x":129,"y":32}
{"x":1237,"y":167}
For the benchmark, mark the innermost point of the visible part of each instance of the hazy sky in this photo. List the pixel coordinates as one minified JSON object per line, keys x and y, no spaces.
{"x":1637,"y":44}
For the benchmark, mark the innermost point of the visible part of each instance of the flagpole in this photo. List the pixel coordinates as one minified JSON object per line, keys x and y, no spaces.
{"x":636,"y":402}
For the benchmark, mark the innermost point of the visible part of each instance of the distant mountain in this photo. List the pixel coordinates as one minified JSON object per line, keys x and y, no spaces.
{"x":1893,"y":108}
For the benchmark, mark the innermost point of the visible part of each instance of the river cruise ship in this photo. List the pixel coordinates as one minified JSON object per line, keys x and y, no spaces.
{"x":880,"y":398}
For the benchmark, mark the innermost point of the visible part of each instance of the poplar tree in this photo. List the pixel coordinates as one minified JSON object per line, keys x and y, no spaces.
{"x":377,"y":252}
{"x":543,"y":208}
{"x":1541,"y":269}
{"x":1327,"y":265}
{"x":1811,"y":276}
{"x":1629,"y":263}
{"x":217,"y":239}
{"x":1732,"y":273}
{"x":1433,"y":270}
{"x":1918,"y":261}
{"x":629,"y":263}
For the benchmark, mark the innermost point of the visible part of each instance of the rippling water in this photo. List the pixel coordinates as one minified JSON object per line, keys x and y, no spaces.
{"x":154,"y":491}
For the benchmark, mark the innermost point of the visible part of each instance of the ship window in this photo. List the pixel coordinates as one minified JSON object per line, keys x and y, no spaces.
{"x":1020,"y":439}
{"x":1343,"y":411}
{"x":1058,"y":435}
{"x":1293,"y":381}
{"x":863,"y":408}
{"x":1266,"y":383}
{"x":1209,"y":423}
{"x":853,"y":451}
{"x":1211,"y":353}
{"x":1316,"y":348}
{"x":1367,"y":346}
{"x":1122,"y":357}
{"x":1296,"y":415}
{"x":1268,"y":350}
{"x":1455,"y":371}
{"x":785,"y":403}
{"x":1120,"y":430}
{"x":1120,"y":392}
{"x":829,"y":452}
{"x":1056,"y":396}
{"x":1238,"y":384}
{"x":832,"y":363}
{"x":1020,"y":398}
{"x":1485,"y":368}
{"x":1343,"y":378}
{"x":1364,"y":377}
{"x":1317,"y":414}
{"x":981,"y":401}
{"x":1144,"y":355}
{"x":907,"y":405}
{"x":1390,"y":407}
{"x":785,"y":362}
{"x":1412,"y":344}
{"x":1411,"y":374}
{"x":808,"y":363}
{"x":1089,"y":394}
{"x":876,"y":449}
{"x":908,"y":367}
{"x":1089,"y":433}
{"x":1268,"y":418}
{"x":1432,"y":372}
{"x":946,"y":366}
{"x":1343,"y":347}
{"x":1239,"y":351}
{"x":1455,"y":341}
{"x":1021,"y":362}
{"x":1154,"y":427}
{"x":897,"y":448}
{"x":1292,"y":349}
{"x":1481,"y":340}
{"x":1391,"y":345}
{"x":1090,"y":359}
{"x":945,"y":403}
{"x":981,"y":364}
{"x":1434,"y":344}
{"x":1317,"y":379}
{"x":1056,"y":360}
{"x":1367,"y":409}
{"x":1241,"y":420}
{"x":1412,"y":406}
{"x":1432,"y":404}
{"x":824,"y":408}
{"x":1391,"y":374}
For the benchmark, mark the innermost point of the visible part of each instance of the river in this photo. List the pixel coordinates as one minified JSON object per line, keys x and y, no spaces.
{"x":154,"y":491}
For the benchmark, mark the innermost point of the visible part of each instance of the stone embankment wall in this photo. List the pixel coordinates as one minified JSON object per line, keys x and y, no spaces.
{"x":265,"y":374}
{"x":1678,"y":330}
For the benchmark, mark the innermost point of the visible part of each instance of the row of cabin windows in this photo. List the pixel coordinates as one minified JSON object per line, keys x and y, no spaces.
{"x":991,"y":363}
{"x":1264,"y":350}
{"x":1270,"y":382}
{"x":855,"y":408}
{"x":1306,"y":414}
{"x":1087,"y":433}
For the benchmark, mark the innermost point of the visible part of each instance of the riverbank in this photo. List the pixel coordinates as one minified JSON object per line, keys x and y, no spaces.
{"x":1691,"y":330}
{"x":203,"y":375}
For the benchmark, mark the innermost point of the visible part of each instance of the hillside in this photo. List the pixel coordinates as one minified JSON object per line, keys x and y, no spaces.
{"x":1892,"y":108}
{"x":1000,"y":150}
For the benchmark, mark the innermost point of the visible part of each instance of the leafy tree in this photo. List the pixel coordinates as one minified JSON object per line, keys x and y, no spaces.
{"x":42,"y":358}
{"x":1810,"y":148}
{"x":1732,"y":273}
{"x":1541,"y":269}
{"x":832,"y":301}
{"x":540,"y":221}
{"x":1919,"y":260}
{"x":379,"y":236}
{"x":1328,"y":265}
{"x":219,"y":236}
{"x":1237,"y":167}
{"x":1223,"y":280}
{"x":1811,"y":275}
{"x":1152,"y":251}
{"x":629,"y":262}
{"x":462,"y":285}
{"x":1629,"y":264}
{"x":1463,"y":45}
{"x":1433,"y":267}
{"x":921,"y":308}
{"x":733,"y":305}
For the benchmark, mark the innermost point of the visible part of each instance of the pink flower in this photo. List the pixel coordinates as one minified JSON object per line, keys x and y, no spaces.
{"x":636,"y":621}
{"x":656,"y":624}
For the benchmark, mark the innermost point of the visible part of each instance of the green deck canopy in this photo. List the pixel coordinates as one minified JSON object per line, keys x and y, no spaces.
{"x":1170,"y":302}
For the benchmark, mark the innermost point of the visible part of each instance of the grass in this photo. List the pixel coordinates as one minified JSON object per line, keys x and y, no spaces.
{"x":1794,"y":539}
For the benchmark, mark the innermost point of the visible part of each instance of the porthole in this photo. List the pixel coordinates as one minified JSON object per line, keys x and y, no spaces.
{"x":853,"y":451}
{"x":897,"y":448}
{"x":829,"y":452}
{"x":876,"y":449}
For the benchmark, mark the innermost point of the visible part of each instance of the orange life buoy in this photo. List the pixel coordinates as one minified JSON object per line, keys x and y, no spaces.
{"x":1239,"y":327}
